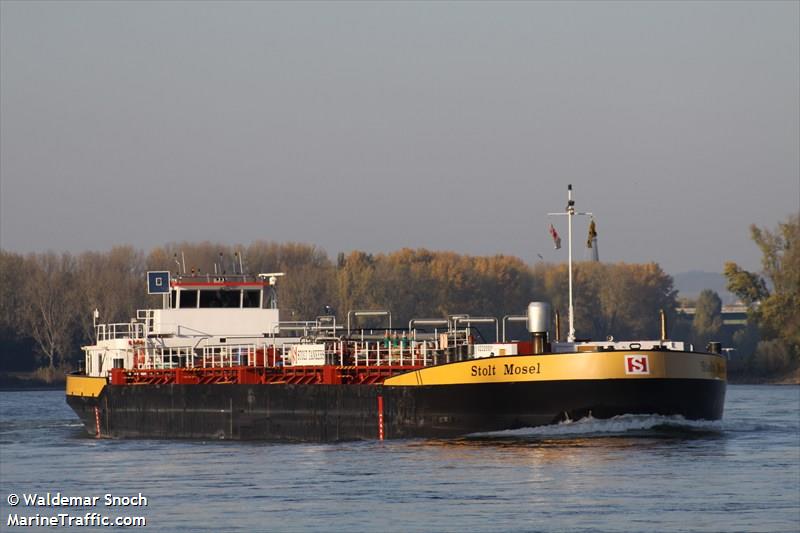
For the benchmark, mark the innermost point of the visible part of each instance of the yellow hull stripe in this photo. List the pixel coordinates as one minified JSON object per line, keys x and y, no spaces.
{"x":85,"y":386}
{"x":571,"y":366}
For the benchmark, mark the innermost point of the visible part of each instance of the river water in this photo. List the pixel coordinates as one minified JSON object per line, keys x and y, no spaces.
{"x":632,"y":473}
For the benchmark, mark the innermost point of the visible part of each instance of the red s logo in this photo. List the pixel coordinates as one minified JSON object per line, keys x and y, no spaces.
{"x":637,"y":364}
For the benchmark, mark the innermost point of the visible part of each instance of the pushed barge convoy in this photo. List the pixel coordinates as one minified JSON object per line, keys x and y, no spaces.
{"x":215,"y":362}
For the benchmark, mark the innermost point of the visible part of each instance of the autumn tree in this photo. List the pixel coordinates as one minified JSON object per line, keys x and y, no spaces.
{"x":619,"y":299}
{"x":422,"y":284}
{"x":553,"y":281}
{"x":780,"y":311}
{"x":749,"y":287}
{"x":707,"y":321}
{"x":306,"y":291}
{"x":355,"y":283}
{"x":775,"y":310}
{"x":403,"y":283}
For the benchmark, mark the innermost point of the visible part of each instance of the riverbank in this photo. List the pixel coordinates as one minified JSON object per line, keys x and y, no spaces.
{"x":792,"y":378}
{"x":30,"y":381}
{"x":788,"y":378}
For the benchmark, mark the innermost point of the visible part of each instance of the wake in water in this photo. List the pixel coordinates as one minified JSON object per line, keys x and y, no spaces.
{"x":623,"y":425}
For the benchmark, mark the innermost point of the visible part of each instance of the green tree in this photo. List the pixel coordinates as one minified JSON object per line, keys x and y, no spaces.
{"x":749,"y":287}
{"x":646,"y":289}
{"x":777,"y":314}
{"x":707,"y":321}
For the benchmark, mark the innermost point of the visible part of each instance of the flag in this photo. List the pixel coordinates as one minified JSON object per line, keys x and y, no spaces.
{"x":556,"y":238}
{"x":592,"y":234}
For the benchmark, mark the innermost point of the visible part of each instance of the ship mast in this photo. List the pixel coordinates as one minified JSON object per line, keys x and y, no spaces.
{"x":569,"y":213}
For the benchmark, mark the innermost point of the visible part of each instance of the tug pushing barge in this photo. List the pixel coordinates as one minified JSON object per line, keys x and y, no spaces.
{"x":215,"y":362}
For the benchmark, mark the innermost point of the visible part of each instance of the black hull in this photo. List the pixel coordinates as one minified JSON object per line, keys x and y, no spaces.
{"x":321,"y":413}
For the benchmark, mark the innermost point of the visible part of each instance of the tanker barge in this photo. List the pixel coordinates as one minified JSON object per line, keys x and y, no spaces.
{"x":215,"y":362}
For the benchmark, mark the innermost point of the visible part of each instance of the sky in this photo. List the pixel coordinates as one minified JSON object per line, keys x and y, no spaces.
{"x":377,"y":126}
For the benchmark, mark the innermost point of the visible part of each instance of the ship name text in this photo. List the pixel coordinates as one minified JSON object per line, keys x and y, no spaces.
{"x":508,"y":369}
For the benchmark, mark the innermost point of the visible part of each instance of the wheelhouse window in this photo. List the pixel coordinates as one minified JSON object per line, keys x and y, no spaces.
{"x":251,"y":298}
{"x":188,"y":299}
{"x":220,"y":298}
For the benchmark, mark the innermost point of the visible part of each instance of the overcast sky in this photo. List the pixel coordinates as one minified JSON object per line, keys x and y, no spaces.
{"x":377,"y":126}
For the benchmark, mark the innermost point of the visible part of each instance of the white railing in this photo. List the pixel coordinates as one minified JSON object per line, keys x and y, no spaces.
{"x":120,"y":330}
{"x":365,"y":353}
{"x":377,"y":353}
{"x":226,"y":355}
{"x":161,"y":358}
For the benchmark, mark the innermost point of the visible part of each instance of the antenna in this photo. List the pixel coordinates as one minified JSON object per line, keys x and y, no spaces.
{"x":570,"y":212}
{"x":183,"y":259}
{"x":273,"y":289}
{"x":271,"y":276}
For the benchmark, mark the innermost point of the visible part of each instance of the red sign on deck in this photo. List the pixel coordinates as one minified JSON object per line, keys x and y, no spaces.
{"x":637,"y":364}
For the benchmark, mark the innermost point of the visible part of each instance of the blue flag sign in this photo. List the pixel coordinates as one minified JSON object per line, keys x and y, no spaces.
{"x":158,"y":282}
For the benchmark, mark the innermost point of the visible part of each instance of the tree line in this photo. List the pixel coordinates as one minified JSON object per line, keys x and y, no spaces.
{"x":47,"y":299}
{"x":770,"y":344}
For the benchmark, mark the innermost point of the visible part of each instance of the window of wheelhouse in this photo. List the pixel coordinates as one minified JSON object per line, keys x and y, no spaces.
{"x":187,"y":299}
{"x":251,"y":298}
{"x":220,"y":298}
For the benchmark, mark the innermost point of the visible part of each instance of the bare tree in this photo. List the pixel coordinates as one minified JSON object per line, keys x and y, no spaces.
{"x":47,"y":311}
{"x":12,"y":268}
{"x":111,"y":282}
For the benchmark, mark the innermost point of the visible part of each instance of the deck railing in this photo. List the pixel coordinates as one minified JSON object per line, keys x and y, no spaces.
{"x":120,"y":330}
{"x":160,"y":358}
{"x":377,"y":353}
{"x":225,"y":355}
{"x":261,"y":355}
